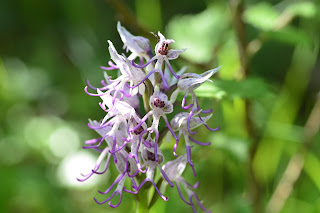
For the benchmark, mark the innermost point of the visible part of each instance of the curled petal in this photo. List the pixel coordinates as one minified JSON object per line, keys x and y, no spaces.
{"x":199,"y":143}
{"x":155,"y":186}
{"x":90,"y":86}
{"x":198,"y":202}
{"x":115,"y":206}
{"x":113,"y":151}
{"x":95,"y":146}
{"x":86,"y":177}
{"x":169,"y":127}
{"x":105,"y":167}
{"x":141,"y":121}
{"x":204,"y":123}
{"x":132,"y":192}
{"x":171,"y":70}
{"x":92,"y":141}
{"x":156,"y":131}
{"x":188,"y":122}
{"x":143,"y":65}
{"x":108,"y":68}
{"x":184,"y":101}
{"x":181,"y":196}
{"x":206,"y":111}
{"x":196,"y":185}
{"x":91,"y":94}
{"x":112,"y":66}
{"x":147,"y":143}
{"x":165,"y":176}
{"x":175,"y":148}
{"x":100,"y":203}
{"x":189,"y":159}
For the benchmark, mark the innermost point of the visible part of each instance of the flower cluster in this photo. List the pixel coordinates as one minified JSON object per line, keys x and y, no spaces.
{"x":131,"y":135}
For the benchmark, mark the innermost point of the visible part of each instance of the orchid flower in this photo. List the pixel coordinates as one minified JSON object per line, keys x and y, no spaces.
{"x":188,"y":83}
{"x":160,"y":107}
{"x":138,"y":45}
{"x":129,"y":72}
{"x":183,"y":124}
{"x":174,"y":170}
{"x":104,"y":153}
{"x":149,"y":156}
{"x":124,"y":168}
{"x":164,"y":54}
{"x":119,"y":112}
{"x":135,"y":141}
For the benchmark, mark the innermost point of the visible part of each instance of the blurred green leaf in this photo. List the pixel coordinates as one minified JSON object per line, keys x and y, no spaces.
{"x":305,"y":9}
{"x":262,"y":16}
{"x":290,"y":35}
{"x":251,"y":88}
{"x":312,"y":168}
{"x":229,"y":57}
{"x":285,"y":111}
{"x":200,"y":33}
{"x":210,"y":90}
{"x":290,"y":133}
{"x":236,"y":146}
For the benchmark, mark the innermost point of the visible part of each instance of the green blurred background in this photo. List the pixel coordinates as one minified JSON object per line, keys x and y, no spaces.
{"x":265,"y":157}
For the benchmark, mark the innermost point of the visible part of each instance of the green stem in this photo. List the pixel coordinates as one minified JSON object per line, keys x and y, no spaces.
{"x":155,"y":194}
{"x":142,"y":200}
{"x":141,"y":207}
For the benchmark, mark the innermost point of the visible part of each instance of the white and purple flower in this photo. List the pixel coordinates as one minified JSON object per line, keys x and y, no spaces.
{"x":133,"y":136}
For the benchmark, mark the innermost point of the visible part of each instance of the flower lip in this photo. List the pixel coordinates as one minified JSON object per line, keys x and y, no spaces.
{"x":138,"y":131}
{"x":149,"y":155}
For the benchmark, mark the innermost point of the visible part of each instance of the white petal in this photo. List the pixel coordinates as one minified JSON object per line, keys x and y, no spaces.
{"x":142,"y":89}
{"x":173,"y":54}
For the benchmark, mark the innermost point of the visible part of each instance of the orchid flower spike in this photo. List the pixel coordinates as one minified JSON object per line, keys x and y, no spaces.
{"x":132,"y":135}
